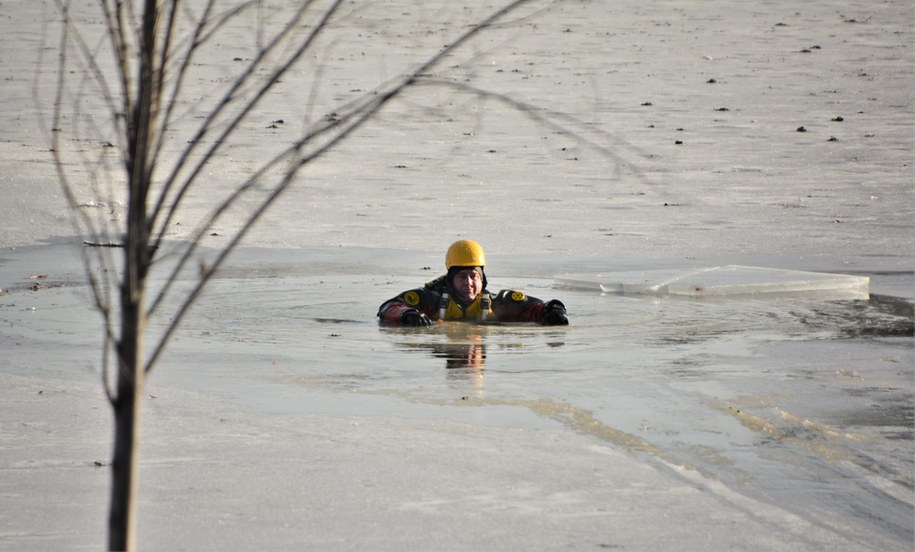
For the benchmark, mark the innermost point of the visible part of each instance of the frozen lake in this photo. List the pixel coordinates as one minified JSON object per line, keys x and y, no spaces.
{"x":800,"y":401}
{"x":646,"y":137}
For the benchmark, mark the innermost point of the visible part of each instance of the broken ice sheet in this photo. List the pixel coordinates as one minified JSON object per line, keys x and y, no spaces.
{"x":719,"y":281}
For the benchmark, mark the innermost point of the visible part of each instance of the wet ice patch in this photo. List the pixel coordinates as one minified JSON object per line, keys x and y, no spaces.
{"x":731,"y":280}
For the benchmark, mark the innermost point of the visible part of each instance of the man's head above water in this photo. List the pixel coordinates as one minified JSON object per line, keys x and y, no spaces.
{"x":462,"y":294}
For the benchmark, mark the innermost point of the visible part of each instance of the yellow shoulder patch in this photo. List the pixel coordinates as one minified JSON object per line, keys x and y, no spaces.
{"x":412,"y":298}
{"x":517,"y":296}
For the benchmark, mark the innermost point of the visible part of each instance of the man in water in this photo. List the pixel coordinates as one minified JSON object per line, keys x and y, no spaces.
{"x":461,"y":294}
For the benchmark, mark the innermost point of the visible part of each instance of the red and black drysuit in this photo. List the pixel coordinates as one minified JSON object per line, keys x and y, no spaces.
{"x":436,"y":301}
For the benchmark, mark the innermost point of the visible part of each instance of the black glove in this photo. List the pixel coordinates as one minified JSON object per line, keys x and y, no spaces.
{"x":415,"y":318}
{"x":555,"y":314}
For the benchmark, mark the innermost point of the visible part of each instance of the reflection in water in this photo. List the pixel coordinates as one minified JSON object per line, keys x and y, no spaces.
{"x":463,"y":351}
{"x":468,"y":356}
{"x":464,"y":348}
{"x":464,"y":360}
{"x":462,"y":345}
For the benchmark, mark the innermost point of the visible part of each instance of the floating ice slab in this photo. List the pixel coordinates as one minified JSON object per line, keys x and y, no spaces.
{"x":748,"y":280}
{"x":629,"y":282}
{"x":719,"y":281}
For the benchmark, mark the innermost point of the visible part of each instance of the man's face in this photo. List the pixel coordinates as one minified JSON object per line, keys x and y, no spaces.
{"x":467,"y":284}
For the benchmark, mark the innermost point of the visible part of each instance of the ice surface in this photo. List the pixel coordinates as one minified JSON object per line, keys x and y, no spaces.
{"x":284,"y":417}
{"x":719,"y":281}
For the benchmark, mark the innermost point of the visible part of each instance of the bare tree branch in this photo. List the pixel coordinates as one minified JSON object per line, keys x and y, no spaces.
{"x":266,"y":85}
{"x":114,"y":19}
{"x":198,"y":38}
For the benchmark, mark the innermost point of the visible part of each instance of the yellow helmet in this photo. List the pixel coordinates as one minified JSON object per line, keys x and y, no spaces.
{"x":465,"y":253}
